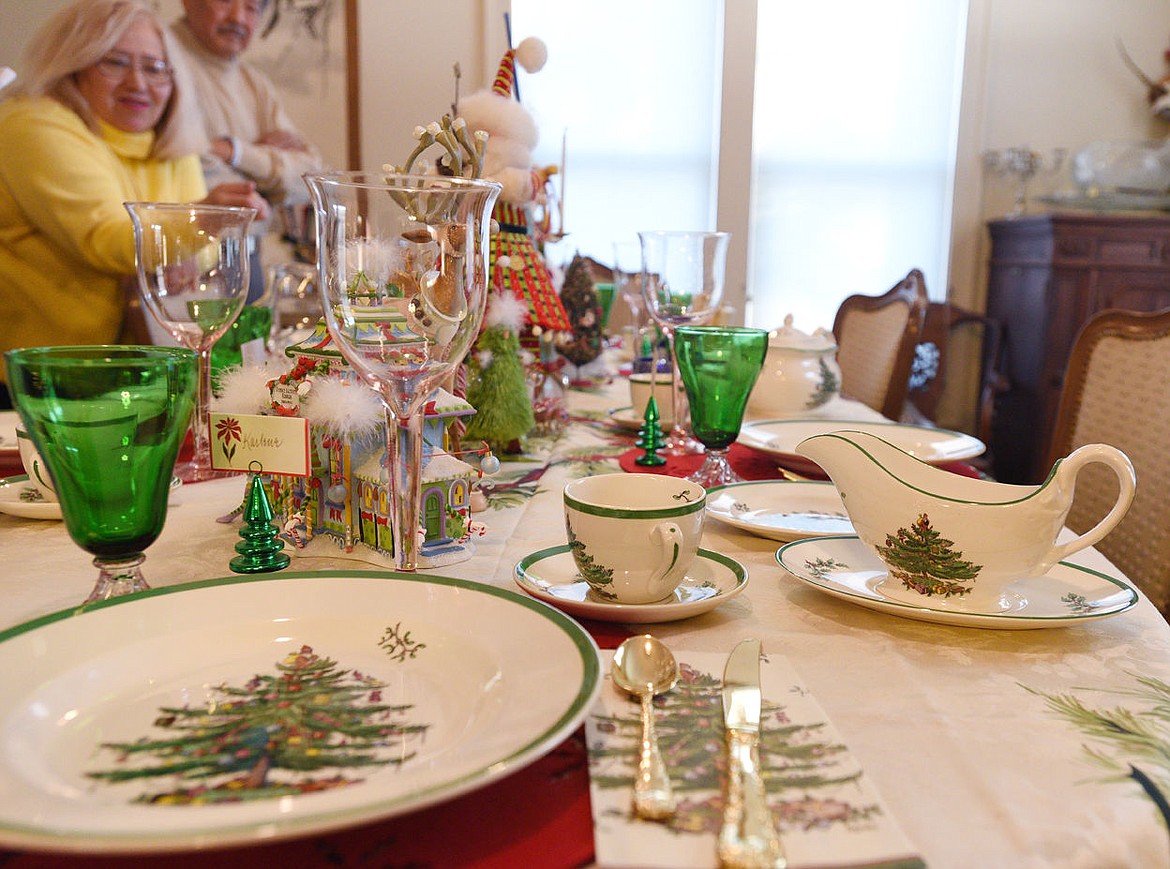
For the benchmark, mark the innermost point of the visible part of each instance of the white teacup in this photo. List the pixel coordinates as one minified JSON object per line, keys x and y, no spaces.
{"x":640,"y":390}
{"x":34,"y":465}
{"x":633,"y":536}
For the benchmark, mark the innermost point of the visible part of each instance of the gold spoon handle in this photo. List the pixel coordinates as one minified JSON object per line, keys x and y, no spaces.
{"x":748,"y":839}
{"x":653,"y":796}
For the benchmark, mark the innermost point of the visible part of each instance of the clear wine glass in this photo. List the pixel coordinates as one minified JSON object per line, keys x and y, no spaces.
{"x":402,"y":262}
{"x":292,"y":295}
{"x":682,"y":283}
{"x":108,"y":422}
{"x":627,"y":280}
{"x":193,"y":276}
{"x":719,"y":366}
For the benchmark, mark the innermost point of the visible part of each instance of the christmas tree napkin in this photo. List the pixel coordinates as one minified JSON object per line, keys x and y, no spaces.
{"x":828,"y":812}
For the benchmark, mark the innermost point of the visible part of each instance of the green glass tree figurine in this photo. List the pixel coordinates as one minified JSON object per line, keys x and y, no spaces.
{"x":650,"y":437}
{"x":261,"y":544}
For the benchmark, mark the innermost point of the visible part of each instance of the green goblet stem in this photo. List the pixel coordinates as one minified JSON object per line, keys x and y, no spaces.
{"x":117,"y":578}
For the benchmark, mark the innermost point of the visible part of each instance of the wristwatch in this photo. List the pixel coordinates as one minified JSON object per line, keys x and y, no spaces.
{"x":234,"y":143}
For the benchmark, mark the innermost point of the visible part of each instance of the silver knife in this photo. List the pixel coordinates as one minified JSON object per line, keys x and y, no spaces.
{"x":748,"y":839}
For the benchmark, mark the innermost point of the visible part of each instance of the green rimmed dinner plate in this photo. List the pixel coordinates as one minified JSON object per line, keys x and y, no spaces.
{"x":250,"y":709}
{"x":780,"y":509}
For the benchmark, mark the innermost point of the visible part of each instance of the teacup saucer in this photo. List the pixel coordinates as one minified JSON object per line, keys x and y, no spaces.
{"x":13,"y":504}
{"x":551,"y":575}
{"x":1068,"y":594}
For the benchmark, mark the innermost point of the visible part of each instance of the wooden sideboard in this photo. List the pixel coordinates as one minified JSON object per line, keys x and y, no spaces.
{"x":1048,"y":275}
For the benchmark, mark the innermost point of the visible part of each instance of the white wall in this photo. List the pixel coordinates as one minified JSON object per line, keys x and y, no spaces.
{"x":408,"y":52}
{"x":1046,"y":74}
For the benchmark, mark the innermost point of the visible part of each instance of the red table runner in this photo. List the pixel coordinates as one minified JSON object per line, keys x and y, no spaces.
{"x":748,"y":463}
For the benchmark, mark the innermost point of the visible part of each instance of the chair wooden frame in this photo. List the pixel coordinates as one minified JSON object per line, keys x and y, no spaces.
{"x":886,"y":369}
{"x":928,"y":378}
{"x":1132,"y":412}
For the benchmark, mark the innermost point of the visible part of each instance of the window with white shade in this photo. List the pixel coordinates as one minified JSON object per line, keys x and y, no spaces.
{"x":853,"y":124}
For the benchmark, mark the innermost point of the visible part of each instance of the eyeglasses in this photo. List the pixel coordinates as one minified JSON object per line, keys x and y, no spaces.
{"x":116,"y":67}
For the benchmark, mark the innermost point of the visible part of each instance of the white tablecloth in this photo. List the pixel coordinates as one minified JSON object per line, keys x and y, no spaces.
{"x":975,"y":766}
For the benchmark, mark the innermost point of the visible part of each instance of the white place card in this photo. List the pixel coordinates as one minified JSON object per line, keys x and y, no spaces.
{"x":253,"y":442}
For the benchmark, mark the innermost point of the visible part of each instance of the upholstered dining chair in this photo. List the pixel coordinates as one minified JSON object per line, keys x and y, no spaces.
{"x":876,"y":336}
{"x":1117,"y":391}
{"x":949,"y":332}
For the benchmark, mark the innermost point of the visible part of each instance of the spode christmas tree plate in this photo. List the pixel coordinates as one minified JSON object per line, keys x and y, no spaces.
{"x":780,"y":510}
{"x":251,"y":709}
{"x":551,"y":575}
{"x":19,"y":497}
{"x":1067,"y":595}
{"x":779,"y":437}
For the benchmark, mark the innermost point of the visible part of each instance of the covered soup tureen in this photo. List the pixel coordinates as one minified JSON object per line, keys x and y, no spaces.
{"x":800,"y":373}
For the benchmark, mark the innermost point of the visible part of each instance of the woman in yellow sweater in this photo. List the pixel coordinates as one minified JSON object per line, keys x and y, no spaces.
{"x":101,"y":115}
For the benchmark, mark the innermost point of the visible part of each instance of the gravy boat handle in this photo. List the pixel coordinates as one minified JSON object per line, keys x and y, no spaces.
{"x":1121,"y":466}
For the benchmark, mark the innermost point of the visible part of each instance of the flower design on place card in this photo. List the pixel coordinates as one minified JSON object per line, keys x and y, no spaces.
{"x":226,"y":431}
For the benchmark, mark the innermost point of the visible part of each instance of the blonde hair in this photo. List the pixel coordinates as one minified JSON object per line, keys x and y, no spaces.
{"x":80,"y":35}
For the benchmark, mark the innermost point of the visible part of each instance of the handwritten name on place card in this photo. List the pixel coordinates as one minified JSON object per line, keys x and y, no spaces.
{"x":278,"y":444}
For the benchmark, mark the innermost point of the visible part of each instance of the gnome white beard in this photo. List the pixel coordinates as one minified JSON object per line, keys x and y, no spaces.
{"x":512,"y":135}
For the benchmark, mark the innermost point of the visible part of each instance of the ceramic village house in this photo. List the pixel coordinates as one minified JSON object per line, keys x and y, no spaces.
{"x":346,"y":496}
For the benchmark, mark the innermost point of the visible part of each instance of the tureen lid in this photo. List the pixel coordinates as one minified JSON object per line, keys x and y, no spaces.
{"x":789,"y":337}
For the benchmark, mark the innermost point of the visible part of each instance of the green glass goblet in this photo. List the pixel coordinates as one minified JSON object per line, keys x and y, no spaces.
{"x":108,"y":422}
{"x":719,"y":366}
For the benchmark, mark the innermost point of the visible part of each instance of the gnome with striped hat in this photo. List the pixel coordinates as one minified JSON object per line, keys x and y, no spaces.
{"x":516,"y":263}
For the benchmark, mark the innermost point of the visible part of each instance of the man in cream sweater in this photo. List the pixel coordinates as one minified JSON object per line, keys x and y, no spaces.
{"x":251,"y":136}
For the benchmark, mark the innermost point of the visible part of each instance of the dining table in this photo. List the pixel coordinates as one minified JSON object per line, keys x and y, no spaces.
{"x":986,"y":745}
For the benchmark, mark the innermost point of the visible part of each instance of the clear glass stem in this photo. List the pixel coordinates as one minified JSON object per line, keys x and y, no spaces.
{"x":404,"y":448}
{"x":199,"y":434}
{"x":715,"y":470}
{"x":679,"y":442}
{"x":117,"y":577}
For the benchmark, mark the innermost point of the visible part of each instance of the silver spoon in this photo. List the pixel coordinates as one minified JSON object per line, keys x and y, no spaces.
{"x":643,"y":666}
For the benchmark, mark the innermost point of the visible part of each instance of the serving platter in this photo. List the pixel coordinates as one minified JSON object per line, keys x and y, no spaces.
{"x":779,"y":438}
{"x":1069,"y":594}
{"x":780,"y":510}
{"x":1110,"y":200}
{"x":242,"y":710}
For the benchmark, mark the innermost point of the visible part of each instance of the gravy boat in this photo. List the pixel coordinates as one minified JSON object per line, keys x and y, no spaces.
{"x":953,"y":539}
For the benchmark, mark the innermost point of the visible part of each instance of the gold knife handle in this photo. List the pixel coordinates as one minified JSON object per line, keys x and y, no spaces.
{"x":653,"y":796}
{"x":748,"y":839}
